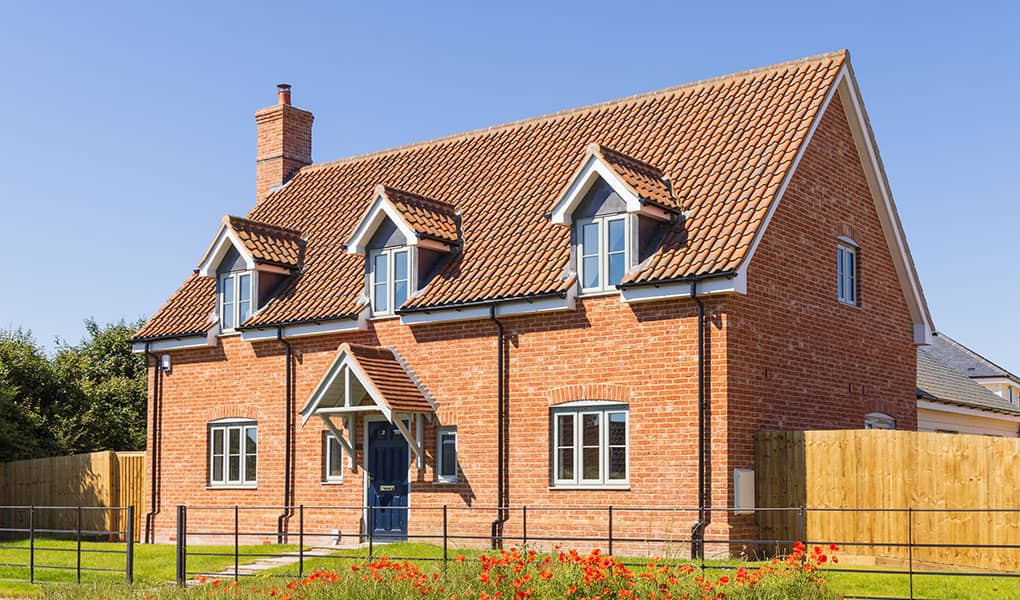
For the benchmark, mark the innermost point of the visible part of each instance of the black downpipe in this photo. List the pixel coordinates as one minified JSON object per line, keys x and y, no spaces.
{"x":501,"y":513}
{"x":288,"y":443}
{"x":157,"y":402}
{"x":698,"y":530}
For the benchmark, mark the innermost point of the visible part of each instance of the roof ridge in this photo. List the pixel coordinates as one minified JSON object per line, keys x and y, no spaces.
{"x":976,"y":354}
{"x":842,"y":54}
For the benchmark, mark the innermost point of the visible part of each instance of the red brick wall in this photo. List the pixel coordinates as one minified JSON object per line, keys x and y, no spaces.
{"x":787,"y":355}
{"x":797,"y":358}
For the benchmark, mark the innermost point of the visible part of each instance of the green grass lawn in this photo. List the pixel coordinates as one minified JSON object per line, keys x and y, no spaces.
{"x":155,"y":568}
{"x":154,"y":563}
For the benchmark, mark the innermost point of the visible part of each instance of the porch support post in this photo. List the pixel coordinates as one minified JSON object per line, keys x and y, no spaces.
{"x":398,"y":423}
{"x":419,"y":437}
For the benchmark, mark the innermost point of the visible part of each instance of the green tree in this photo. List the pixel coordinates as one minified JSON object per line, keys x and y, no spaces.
{"x":105,"y":387}
{"x":30,"y":394}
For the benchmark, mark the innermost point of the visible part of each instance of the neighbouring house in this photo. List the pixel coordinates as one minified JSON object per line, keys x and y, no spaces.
{"x":596,"y":307}
{"x":951,"y":400}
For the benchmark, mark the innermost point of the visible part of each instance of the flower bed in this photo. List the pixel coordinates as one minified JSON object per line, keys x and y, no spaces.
{"x":521,"y":574}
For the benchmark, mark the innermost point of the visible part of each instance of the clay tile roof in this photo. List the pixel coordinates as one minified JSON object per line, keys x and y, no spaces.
{"x":427,"y":217}
{"x":647,"y":181}
{"x":187,"y":312}
{"x":726,"y":144}
{"x":391,"y":377}
{"x":269,"y":244}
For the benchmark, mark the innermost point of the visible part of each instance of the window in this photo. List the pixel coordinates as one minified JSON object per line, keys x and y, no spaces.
{"x":602,"y":252}
{"x":446,"y":455}
{"x":233,"y":453}
{"x":847,"y":273}
{"x":389,"y":279}
{"x":235,"y":299}
{"x":332,"y":455}
{"x":879,"y":421}
{"x":590,"y":446}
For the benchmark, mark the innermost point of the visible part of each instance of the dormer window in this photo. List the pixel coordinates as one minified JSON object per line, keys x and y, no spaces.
{"x":236,"y":299}
{"x":618,"y":208}
{"x":405,"y":238}
{"x":603,"y":252}
{"x":389,"y":278}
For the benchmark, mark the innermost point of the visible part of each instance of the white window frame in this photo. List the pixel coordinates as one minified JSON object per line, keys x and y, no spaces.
{"x":847,"y":273}
{"x":440,"y":478}
{"x":603,"y":254}
{"x":390,"y":254}
{"x":577,"y":411}
{"x":877,"y":420}
{"x":330,"y":443}
{"x":226,"y":426}
{"x":233,"y":280}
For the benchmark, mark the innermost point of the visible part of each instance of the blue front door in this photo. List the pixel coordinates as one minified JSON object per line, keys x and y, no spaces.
{"x":388,"y":462}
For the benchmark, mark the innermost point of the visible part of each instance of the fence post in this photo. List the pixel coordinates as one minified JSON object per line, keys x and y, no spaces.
{"x":31,"y":544}
{"x":77,"y":537}
{"x":236,"y":540}
{"x":445,"y":538}
{"x":910,"y":548}
{"x":610,"y":530}
{"x":129,"y":568}
{"x":301,"y":541}
{"x":371,"y":529}
{"x":182,"y":556}
{"x":803,"y":531}
{"x":524,"y":520}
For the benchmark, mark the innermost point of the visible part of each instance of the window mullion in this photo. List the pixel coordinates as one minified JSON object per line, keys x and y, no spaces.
{"x":604,"y":252}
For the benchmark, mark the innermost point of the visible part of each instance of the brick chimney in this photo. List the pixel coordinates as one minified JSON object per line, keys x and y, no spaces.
{"x":284,"y":143}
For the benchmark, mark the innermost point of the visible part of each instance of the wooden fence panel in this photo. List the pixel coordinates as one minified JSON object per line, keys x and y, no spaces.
{"x":99,"y":479}
{"x":876,"y":469}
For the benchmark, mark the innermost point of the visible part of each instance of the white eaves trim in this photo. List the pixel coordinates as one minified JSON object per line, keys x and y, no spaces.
{"x":682,"y":289}
{"x":593,"y":168}
{"x":306,"y":329}
{"x":224,"y":240}
{"x":963,"y":410}
{"x":484,"y":311}
{"x":846,"y":86}
{"x":209,"y":340}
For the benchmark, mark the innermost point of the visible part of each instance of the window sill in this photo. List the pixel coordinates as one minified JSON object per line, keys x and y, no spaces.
{"x":232,"y":487}
{"x":337,"y":482}
{"x":444,"y":482}
{"x":231,"y":333}
{"x":599,"y":293}
{"x":609,"y":488}
{"x":850,"y":305}
{"x":386,"y":317}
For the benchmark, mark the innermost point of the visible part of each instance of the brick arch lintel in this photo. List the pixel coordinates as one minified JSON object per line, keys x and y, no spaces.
{"x":589,"y":391}
{"x":235,"y":411}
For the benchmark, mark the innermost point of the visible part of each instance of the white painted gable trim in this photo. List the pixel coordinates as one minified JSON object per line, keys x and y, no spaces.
{"x":846,"y":86}
{"x":346,"y":359}
{"x":593,"y":168}
{"x":380,"y":209}
{"x":224,"y":240}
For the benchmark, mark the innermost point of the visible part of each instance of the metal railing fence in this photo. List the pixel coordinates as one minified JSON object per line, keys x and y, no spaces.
{"x":612,"y":530}
{"x":28,"y":524}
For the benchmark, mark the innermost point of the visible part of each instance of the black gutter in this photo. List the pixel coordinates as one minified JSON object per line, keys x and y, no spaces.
{"x":261,"y":326}
{"x":288,"y":443}
{"x":689,"y":279}
{"x":174,"y":336}
{"x":157,"y":403}
{"x":473,"y":303}
{"x":698,"y":530}
{"x":501,"y":513}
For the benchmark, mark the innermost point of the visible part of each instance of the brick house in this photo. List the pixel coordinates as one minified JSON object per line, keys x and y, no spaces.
{"x":547,"y":313}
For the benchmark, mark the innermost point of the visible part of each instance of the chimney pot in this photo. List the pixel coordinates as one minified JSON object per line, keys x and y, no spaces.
{"x":283,"y":94}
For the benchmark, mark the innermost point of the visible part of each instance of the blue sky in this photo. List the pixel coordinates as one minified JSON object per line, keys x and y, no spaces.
{"x":128,"y":130}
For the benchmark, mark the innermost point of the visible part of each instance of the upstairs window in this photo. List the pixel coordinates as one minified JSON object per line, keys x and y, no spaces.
{"x":389,"y":279}
{"x":602,"y":252}
{"x":236,"y":299}
{"x":846,"y":268}
{"x":591,"y":446}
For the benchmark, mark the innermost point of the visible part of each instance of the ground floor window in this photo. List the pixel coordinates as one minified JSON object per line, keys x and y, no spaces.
{"x":233,"y":453}
{"x":332,"y":455}
{"x":879,"y":421}
{"x":590,"y":445}
{"x":446,"y":455}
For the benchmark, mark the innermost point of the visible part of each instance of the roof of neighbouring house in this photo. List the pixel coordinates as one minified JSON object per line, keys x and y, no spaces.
{"x":965,"y":360}
{"x":941,"y":382}
{"x":726,"y":145}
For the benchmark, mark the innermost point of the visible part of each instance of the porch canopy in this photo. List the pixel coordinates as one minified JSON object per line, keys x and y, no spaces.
{"x":371,"y":380}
